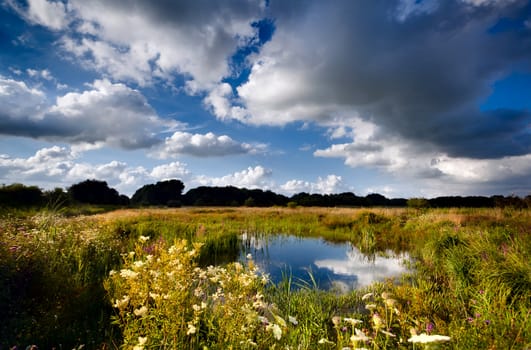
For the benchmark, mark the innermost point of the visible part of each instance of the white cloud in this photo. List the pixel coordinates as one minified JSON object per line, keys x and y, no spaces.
{"x":170,"y":171}
{"x":105,"y":114}
{"x":330,"y":184}
{"x":194,"y":39}
{"x":35,"y":73}
{"x":51,"y":14}
{"x":18,"y":101}
{"x":202,"y":145}
{"x":252,"y":177}
{"x":407,"y":8}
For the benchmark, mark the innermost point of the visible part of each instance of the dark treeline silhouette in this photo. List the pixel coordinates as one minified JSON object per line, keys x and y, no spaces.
{"x":170,"y":193}
{"x":166,"y":193}
{"x":232,"y":196}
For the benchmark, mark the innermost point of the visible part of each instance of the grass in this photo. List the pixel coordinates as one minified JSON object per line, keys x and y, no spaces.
{"x":143,"y":279}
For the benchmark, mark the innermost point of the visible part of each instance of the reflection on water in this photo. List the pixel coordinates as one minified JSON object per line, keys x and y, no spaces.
{"x":333,"y":265}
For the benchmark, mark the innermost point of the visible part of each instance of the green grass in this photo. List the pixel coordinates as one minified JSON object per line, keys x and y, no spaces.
{"x":471,"y":280}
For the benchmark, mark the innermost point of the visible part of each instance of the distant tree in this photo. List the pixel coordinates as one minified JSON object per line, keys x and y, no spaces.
{"x":375,"y":199}
{"x":94,"y":192}
{"x":418,"y":203}
{"x":56,"y":198}
{"x":167,"y":192}
{"x":19,"y":195}
{"x":250,"y":202}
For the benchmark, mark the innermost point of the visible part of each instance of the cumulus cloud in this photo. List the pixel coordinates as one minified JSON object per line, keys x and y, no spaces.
{"x":191,"y":38}
{"x":106,"y":113}
{"x":62,"y":166}
{"x":170,"y":171}
{"x":329,"y":184}
{"x":51,"y":14}
{"x":419,"y":79}
{"x":252,"y":177}
{"x":203,"y":145}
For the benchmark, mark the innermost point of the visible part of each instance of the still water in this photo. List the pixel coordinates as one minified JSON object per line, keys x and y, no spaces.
{"x":338,"y":266}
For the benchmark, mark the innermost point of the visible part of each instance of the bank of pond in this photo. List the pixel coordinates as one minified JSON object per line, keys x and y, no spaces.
{"x":255,"y":278}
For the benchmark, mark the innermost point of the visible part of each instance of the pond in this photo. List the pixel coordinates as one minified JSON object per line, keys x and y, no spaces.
{"x":337,"y":266}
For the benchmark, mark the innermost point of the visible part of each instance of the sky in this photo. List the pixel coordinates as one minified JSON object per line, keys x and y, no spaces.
{"x":406,"y":98}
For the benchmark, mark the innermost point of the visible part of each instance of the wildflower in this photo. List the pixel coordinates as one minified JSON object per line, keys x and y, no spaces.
{"x":138,"y":264}
{"x":336,"y":320}
{"x":112,"y":272}
{"x":359,"y":336}
{"x":275,"y":329}
{"x":370,"y":306}
{"x":390,"y":302}
{"x":293,"y":320}
{"x":325,"y":341}
{"x":196,"y":307}
{"x":424,"y":338}
{"x":487,"y":322}
{"x":121,"y":303}
{"x":377,"y":320}
{"x":263,"y":320}
{"x":249,"y":256}
{"x":389,"y":334}
{"x":367,"y":296}
{"x":141,"y":311}
{"x":386,"y":295}
{"x":191,"y":329}
{"x":142,"y":340}
{"x":126,"y":273}
{"x":143,"y":239}
{"x":352,"y":321}
{"x":429,"y":327}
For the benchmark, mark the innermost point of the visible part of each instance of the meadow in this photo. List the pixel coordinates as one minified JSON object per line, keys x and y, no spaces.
{"x":169,"y":279}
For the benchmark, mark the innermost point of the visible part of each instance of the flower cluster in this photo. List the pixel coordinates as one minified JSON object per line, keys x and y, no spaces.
{"x":167,"y":296}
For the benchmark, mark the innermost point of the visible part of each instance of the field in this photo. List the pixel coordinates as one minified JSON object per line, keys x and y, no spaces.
{"x":163,"y":279}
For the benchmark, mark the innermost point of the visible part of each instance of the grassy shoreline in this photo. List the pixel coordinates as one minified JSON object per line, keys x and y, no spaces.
{"x":472,"y":280}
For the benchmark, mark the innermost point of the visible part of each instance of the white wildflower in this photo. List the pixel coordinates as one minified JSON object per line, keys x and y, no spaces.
{"x":126,"y":273}
{"x":424,"y":338}
{"x":191,"y":329}
{"x":367,"y":296}
{"x":275,"y":329}
{"x":359,"y":336}
{"x":352,"y":321}
{"x":141,"y":311}
{"x":293,"y":320}
{"x":143,"y":239}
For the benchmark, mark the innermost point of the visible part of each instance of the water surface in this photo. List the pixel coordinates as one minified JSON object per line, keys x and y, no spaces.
{"x":338,"y":266}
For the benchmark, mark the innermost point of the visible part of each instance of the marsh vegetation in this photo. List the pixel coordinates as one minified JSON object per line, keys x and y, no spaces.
{"x":171,"y":279}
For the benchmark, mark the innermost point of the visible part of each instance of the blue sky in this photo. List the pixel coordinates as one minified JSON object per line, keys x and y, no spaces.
{"x":404,"y":98}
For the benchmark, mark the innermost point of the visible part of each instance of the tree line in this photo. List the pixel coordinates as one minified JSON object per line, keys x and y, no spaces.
{"x":169,"y":193}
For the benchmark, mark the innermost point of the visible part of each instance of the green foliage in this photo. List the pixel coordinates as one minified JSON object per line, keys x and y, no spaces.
{"x":162,"y":193}
{"x":418,"y":203}
{"x":96,"y":192}
{"x":18,"y":195}
{"x":471,"y":281}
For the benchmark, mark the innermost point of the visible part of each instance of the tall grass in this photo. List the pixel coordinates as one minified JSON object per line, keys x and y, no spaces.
{"x":471,"y":280}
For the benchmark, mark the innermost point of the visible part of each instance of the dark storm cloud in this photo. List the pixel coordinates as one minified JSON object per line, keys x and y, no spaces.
{"x":419,"y":75}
